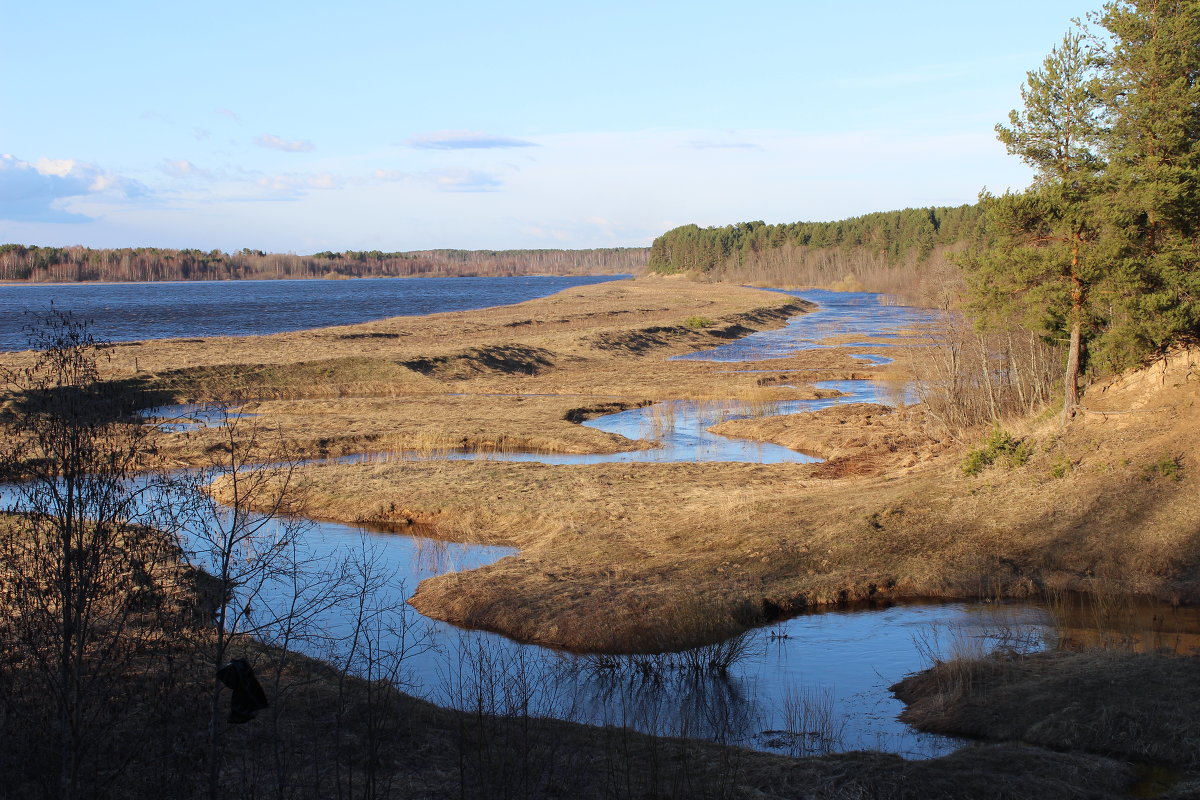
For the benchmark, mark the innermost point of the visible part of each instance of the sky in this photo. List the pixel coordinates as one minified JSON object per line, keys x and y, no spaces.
{"x":302,"y":126}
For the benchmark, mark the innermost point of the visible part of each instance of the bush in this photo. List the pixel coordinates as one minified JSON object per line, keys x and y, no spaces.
{"x":1001,"y":447}
{"x":1060,"y":467}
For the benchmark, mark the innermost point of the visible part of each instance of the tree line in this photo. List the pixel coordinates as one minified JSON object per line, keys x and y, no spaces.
{"x":73,"y":264}
{"x":1098,"y":257}
{"x":881,"y":250}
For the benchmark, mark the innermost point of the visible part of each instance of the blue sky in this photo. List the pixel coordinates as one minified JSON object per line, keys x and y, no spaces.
{"x":300,"y":127}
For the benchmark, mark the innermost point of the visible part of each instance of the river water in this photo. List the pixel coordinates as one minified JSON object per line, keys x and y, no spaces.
{"x":173,"y":309}
{"x":810,"y":684}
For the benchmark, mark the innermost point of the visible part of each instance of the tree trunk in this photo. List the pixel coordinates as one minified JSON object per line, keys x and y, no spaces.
{"x":1071,"y":380}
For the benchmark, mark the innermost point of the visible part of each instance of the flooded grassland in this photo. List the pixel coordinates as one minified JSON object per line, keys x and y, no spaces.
{"x":637,"y":554}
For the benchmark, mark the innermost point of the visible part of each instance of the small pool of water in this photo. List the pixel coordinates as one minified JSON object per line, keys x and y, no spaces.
{"x":184,"y":417}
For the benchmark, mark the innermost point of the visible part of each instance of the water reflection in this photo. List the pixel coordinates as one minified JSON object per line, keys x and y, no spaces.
{"x":813,"y":683}
{"x":184,"y":417}
{"x":1112,"y":621}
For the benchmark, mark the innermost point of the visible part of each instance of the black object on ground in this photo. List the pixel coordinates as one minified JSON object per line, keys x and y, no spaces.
{"x":248,"y":695}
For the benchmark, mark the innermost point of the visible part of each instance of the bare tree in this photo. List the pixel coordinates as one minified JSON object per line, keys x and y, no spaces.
{"x":240,"y":524}
{"x":82,"y":576}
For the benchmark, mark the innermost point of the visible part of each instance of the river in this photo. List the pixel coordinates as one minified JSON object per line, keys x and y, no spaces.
{"x":121,"y":312}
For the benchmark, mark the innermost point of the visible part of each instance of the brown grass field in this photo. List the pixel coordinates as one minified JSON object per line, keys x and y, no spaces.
{"x":653,"y":557}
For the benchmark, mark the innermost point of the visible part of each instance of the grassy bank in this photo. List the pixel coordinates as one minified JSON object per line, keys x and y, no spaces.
{"x":1137,"y":707}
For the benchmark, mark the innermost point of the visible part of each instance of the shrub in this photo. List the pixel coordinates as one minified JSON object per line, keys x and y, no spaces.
{"x":1060,"y":466}
{"x":1001,"y":447}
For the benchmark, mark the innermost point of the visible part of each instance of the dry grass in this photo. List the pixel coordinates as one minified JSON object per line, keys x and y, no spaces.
{"x":422,"y":424}
{"x":404,"y":383}
{"x":1140,"y":707}
{"x":854,"y":439}
{"x":610,"y":552}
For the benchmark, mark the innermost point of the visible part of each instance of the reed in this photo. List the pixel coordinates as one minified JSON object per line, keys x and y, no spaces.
{"x":813,"y":725}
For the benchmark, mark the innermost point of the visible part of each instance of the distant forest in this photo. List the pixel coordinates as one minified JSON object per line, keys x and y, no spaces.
{"x":888,"y":251}
{"x":75,"y":264}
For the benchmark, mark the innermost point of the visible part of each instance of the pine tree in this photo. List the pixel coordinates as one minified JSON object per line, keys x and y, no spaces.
{"x":1040,"y":264}
{"x":1152,"y":202}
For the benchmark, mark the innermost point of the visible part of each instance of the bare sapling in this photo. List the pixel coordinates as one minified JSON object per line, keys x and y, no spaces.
{"x":84,"y":578}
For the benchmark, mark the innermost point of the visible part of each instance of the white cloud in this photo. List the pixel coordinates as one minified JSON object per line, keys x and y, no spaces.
{"x":464,"y":140}
{"x":288,"y":146}
{"x":182,"y":168}
{"x":225,"y":112}
{"x":294,"y":185}
{"x":464,"y":180}
{"x":445,"y":180}
{"x":721,"y":144}
{"x":36,"y":192}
